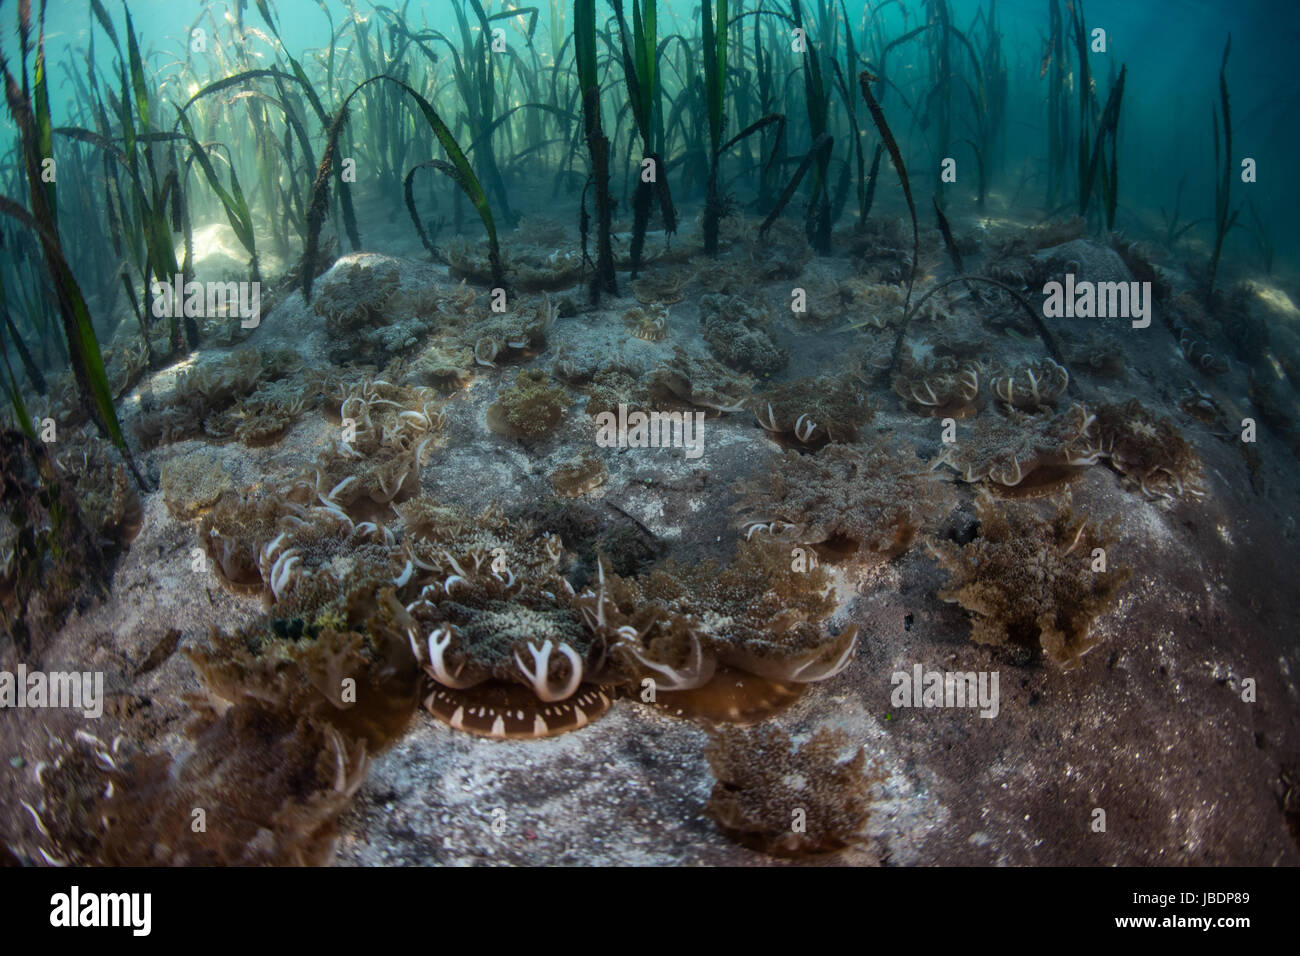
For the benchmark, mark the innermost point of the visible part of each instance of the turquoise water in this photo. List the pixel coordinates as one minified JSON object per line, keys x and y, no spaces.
{"x":1172,"y":49}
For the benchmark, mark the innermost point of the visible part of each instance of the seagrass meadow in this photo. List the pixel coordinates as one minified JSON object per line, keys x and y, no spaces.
{"x":647,"y":432}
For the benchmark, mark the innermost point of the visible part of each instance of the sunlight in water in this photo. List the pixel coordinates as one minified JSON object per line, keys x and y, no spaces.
{"x":1278,"y":300}
{"x":216,"y":249}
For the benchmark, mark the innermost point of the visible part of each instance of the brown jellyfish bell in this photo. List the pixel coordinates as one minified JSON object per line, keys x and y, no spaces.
{"x":698,"y":687}
{"x":732,"y":696}
{"x":1023,"y":456}
{"x":747,"y":687}
{"x":468,"y":698}
{"x":505,"y":711}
